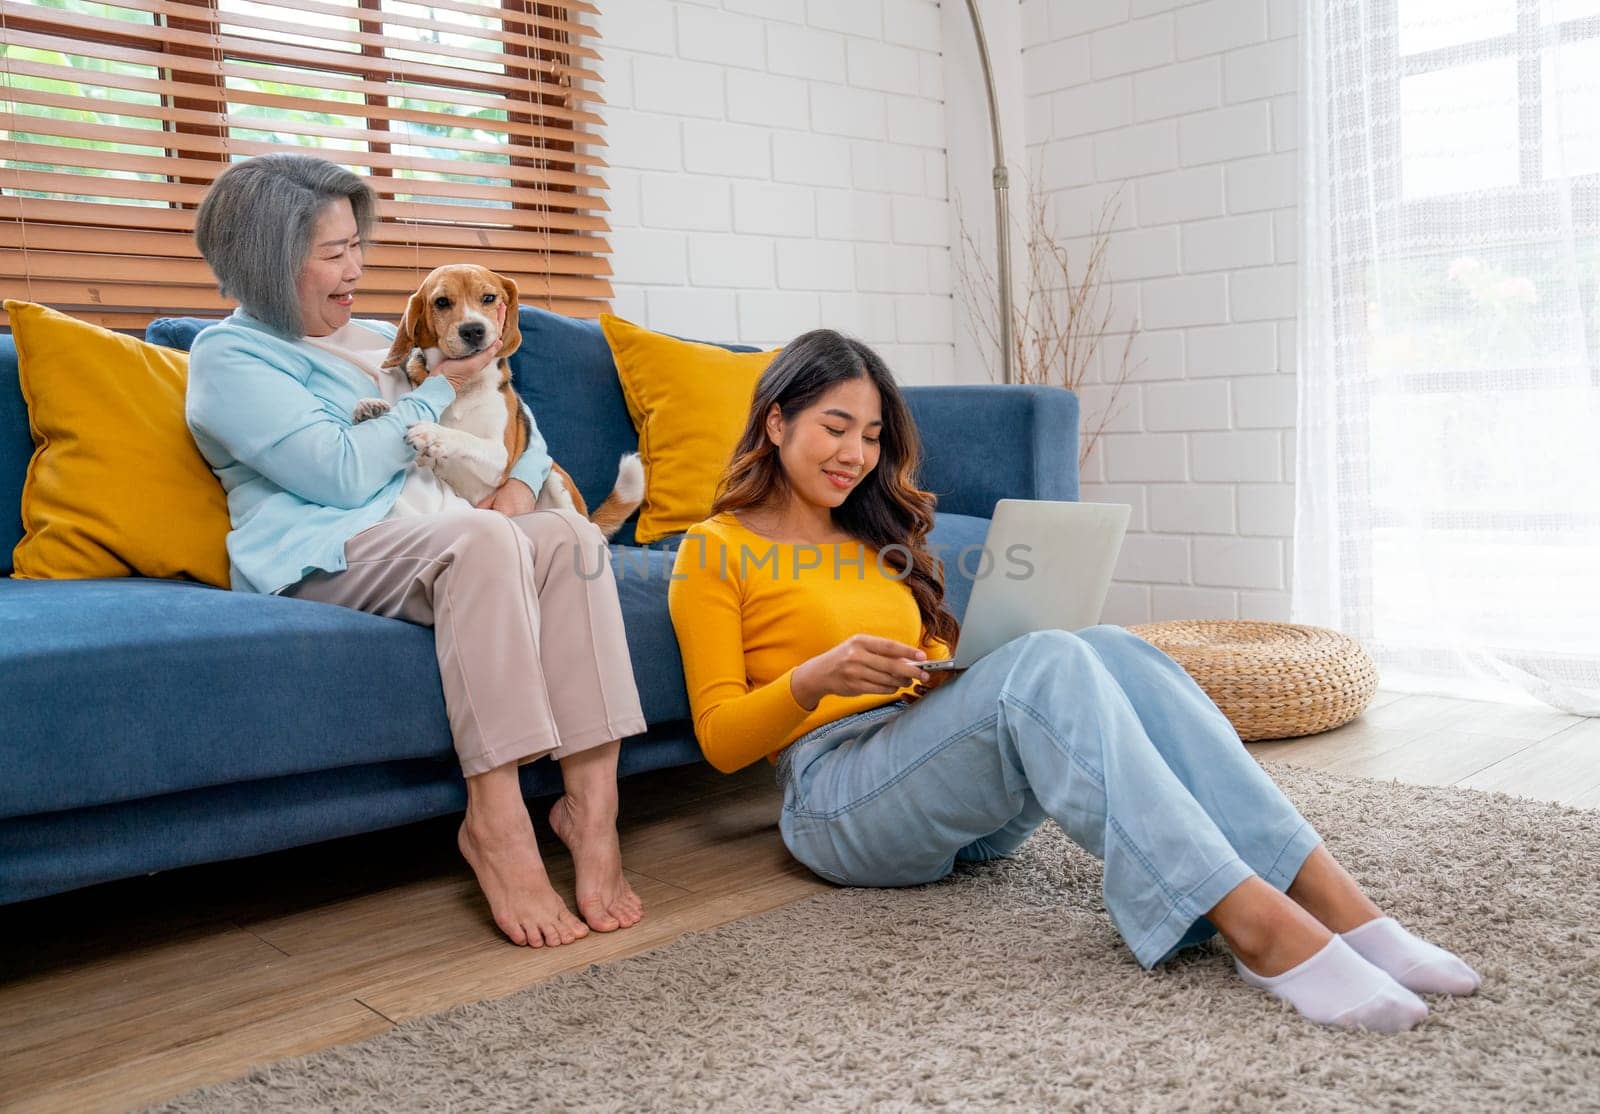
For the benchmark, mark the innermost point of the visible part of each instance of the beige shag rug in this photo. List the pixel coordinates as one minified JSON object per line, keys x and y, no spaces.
{"x":1005,"y":987}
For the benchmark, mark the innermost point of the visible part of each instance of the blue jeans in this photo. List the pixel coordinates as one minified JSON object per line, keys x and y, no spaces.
{"x":1097,"y":730}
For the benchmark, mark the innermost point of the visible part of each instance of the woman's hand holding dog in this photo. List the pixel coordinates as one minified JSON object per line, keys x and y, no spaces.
{"x":859,"y":665}
{"x":460,"y":372}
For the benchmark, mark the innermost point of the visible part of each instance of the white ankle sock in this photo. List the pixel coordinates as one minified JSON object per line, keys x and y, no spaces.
{"x":1337,"y":987}
{"x":1410,"y":960}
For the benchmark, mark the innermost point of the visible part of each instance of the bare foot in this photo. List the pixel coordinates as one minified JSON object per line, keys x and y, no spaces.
{"x":505,"y":857}
{"x":605,"y":899}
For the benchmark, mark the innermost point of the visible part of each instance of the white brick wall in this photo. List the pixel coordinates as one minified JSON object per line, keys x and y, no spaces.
{"x":782,"y":164}
{"x":776,"y":165}
{"x":1189,"y":109}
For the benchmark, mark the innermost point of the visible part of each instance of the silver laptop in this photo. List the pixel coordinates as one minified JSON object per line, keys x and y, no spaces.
{"x":1046,"y":566}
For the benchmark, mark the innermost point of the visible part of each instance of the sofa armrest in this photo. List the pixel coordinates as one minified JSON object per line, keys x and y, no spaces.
{"x":981,"y":444}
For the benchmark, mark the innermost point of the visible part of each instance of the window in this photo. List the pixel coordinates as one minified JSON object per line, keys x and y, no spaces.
{"x":1449,"y":475}
{"x":1496,"y":145}
{"x":473,"y":121}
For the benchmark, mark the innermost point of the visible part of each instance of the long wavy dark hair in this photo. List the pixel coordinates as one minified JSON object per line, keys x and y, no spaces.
{"x":886,"y":508}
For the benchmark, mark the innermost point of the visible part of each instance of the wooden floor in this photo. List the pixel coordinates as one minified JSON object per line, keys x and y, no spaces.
{"x":131,"y":992}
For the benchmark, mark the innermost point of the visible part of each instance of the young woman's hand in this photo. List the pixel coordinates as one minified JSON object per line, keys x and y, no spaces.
{"x":859,"y":665}
{"x":461,"y":372}
{"x":921,"y":689}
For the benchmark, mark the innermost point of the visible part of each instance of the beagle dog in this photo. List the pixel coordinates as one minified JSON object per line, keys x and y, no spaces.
{"x":455,"y":313}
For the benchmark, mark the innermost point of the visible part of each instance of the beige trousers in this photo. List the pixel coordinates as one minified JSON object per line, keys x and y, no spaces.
{"x":526,"y":625}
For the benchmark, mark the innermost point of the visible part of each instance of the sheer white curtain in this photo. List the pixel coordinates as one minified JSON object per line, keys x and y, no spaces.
{"x":1448,"y":476}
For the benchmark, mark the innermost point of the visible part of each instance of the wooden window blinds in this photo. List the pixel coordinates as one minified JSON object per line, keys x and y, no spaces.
{"x":475,"y":122}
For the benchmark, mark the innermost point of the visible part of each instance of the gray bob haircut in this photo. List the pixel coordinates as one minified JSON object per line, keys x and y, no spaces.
{"x":254,"y":228}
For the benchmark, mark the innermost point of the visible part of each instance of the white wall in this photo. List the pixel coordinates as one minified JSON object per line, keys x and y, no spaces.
{"x":1189,"y":109}
{"x":777,"y":165}
{"x":782,"y":164}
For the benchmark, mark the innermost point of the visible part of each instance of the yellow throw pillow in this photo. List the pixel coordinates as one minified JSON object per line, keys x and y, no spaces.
{"x":116,"y":486}
{"x":689,"y":403}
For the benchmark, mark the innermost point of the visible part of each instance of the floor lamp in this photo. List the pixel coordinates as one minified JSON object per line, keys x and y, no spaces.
{"x":1002,"y":205}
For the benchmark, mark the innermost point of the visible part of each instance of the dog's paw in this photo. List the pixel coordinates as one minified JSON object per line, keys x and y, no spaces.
{"x":416,"y":367}
{"x":369,"y":408}
{"x":431,"y":441}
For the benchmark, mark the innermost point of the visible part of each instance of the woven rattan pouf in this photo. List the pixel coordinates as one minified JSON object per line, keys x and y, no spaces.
{"x":1272,"y":680}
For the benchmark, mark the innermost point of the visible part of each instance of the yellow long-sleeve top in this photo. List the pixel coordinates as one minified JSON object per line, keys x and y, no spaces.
{"x":748,"y":610}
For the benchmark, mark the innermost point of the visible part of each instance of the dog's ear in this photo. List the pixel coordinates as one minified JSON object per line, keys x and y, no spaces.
{"x":511,"y":338}
{"x":413,"y":326}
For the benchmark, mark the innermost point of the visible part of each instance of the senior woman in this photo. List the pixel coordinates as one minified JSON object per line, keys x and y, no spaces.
{"x":530,"y":646}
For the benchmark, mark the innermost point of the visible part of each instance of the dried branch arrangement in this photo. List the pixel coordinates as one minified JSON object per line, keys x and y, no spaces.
{"x":1064,"y":317}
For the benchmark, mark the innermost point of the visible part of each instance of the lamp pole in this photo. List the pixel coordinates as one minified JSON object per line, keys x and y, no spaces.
{"x":1002,"y":204}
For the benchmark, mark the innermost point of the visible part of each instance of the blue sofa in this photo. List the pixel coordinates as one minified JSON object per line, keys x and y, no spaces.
{"x":151,"y":724}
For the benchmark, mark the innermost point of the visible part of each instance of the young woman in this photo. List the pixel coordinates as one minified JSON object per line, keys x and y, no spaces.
{"x":531,"y":655}
{"x":803,"y":607}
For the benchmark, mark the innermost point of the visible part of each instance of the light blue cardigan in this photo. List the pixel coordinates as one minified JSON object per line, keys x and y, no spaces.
{"x":272,"y":418}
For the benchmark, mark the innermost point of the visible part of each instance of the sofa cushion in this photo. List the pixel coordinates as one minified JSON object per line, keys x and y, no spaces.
{"x":177,"y":332}
{"x":689,"y":402}
{"x":116,"y":486}
{"x":565,"y":372}
{"x":144,"y":687}
{"x":643,"y":575}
